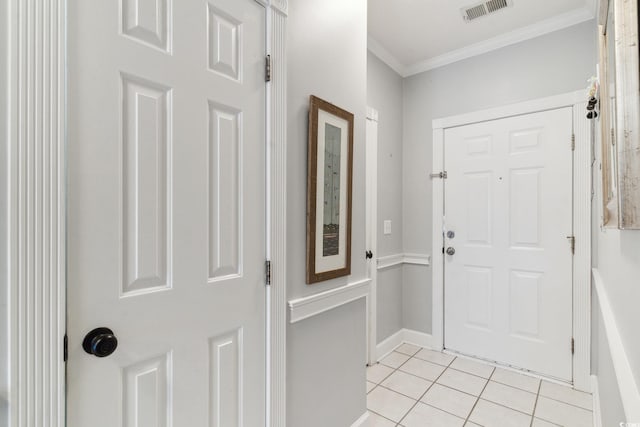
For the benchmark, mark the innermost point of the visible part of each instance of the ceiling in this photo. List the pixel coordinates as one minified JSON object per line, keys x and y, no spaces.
{"x":416,"y":35}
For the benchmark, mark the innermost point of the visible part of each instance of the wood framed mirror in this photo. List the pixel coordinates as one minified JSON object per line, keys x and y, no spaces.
{"x":607,"y":73}
{"x":329,"y":182}
{"x":620,"y":97}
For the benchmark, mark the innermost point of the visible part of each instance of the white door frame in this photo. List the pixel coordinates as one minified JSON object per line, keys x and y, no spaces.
{"x":372,"y":232}
{"x":581,"y":219}
{"x":36,"y":192}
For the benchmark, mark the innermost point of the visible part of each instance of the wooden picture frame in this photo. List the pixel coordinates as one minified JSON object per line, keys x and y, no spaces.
{"x":628,"y":113}
{"x":607,"y":74}
{"x":620,"y":88}
{"x":329,"y":186}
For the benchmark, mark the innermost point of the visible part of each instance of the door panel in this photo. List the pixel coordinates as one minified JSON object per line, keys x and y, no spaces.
{"x":166,"y":228}
{"x":508,"y":199}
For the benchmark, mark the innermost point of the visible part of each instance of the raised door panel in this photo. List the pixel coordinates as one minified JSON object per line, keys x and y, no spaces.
{"x":148,"y":22}
{"x":147,"y":393}
{"x":225,"y":192}
{"x":146,"y":142}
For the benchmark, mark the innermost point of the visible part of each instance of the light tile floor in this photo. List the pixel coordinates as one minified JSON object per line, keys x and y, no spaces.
{"x":417,"y":387}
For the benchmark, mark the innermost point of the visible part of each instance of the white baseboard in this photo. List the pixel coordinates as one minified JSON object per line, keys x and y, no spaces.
{"x":360,"y":422}
{"x":420,"y":339}
{"x":595,"y":391}
{"x":624,"y":374}
{"x":389,"y":344}
{"x":408,"y":336}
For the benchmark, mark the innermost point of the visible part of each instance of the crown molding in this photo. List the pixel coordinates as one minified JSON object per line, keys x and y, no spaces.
{"x":541,"y":28}
{"x":566,"y":20}
{"x":385,"y":56}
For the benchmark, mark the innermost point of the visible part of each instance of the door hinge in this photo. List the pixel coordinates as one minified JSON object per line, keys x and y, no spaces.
{"x":440,"y":175}
{"x":65,"y":348}
{"x":267,"y":69}
{"x":573,"y":142}
{"x":267,"y":275}
{"x":572,"y":241}
{"x":573,"y":346}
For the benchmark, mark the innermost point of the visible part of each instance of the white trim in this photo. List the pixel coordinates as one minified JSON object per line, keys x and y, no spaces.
{"x":385,"y":56}
{"x":408,"y":336}
{"x":519,"y":35}
{"x":581,"y":219}
{"x":400,"y":259}
{"x":511,"y":110}
{"x":389,"y":344}
{"x":597,"y":410}
{"x":277,"y":214}
{"x":582,"y":257}
{"x":417,"y":259}
{"x":390,"y":261}
{"x":421,"y":339}
{"x":37,"y":214}
{"x":629,"y":391}
{"x":372,"y":114}
{"x":361,"y":422}
{"x":437,"y":269}
{"x":371,"y":229}
{"x":303,"y":308}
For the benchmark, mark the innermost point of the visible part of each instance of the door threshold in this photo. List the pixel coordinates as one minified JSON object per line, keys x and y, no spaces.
{"x":510,"y":368}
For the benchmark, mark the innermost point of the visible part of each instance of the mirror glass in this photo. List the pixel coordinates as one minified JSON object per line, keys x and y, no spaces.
{"x":331,"y":215}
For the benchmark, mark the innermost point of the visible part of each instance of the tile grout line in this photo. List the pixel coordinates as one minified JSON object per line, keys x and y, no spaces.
{"x":535,"y":405}
{"x":478,"y":399}
{"x":427,"y":390}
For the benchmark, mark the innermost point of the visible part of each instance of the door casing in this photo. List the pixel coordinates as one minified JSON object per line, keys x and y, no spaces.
{"x":372,"y":233}
{"x":36,"y":120}
{"x":581,"y":219}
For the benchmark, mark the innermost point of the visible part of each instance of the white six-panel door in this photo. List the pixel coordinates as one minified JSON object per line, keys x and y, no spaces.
{"x":166,"y":212}
{"x":508,"y":203}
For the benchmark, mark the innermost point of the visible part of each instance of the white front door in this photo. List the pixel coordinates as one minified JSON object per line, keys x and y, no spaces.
{"x":508,"y":212}
{"x":166,"y":213}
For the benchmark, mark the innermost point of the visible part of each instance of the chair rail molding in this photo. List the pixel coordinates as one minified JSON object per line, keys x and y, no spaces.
{"x":400,"y":259}
{"x":303,"y":308}
{"x":36,"y":259}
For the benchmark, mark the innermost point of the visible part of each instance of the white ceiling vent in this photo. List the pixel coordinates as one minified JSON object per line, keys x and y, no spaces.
{"x":476,"y":11}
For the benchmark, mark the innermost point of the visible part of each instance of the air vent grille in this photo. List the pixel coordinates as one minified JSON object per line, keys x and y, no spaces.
{"x":494,"y":5}
{"x":476,"y":11}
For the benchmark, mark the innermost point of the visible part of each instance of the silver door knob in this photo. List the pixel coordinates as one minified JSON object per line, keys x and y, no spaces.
{"x":450,"y":251}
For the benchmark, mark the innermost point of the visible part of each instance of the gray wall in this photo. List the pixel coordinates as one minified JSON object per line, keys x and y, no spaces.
{"x":326,"y":369}
{"x":384,"y":93}
{"x":616,"y":255}
{"x":611,"y":409}
{"x":619,"y":265}
{"x":327,"y":48}
{"x":389,"y":302}
{"x":552,"y":64}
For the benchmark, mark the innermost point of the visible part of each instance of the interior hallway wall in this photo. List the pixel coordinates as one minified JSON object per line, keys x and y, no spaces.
{"x":384,"y":94}
{"x":552,"y":64}
{"x":326,"y":354}
{"x":616,"y":255}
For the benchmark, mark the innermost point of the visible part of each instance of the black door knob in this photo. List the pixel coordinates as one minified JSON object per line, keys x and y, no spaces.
{"x":101,"y":342}
{"x":368,"y":254}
